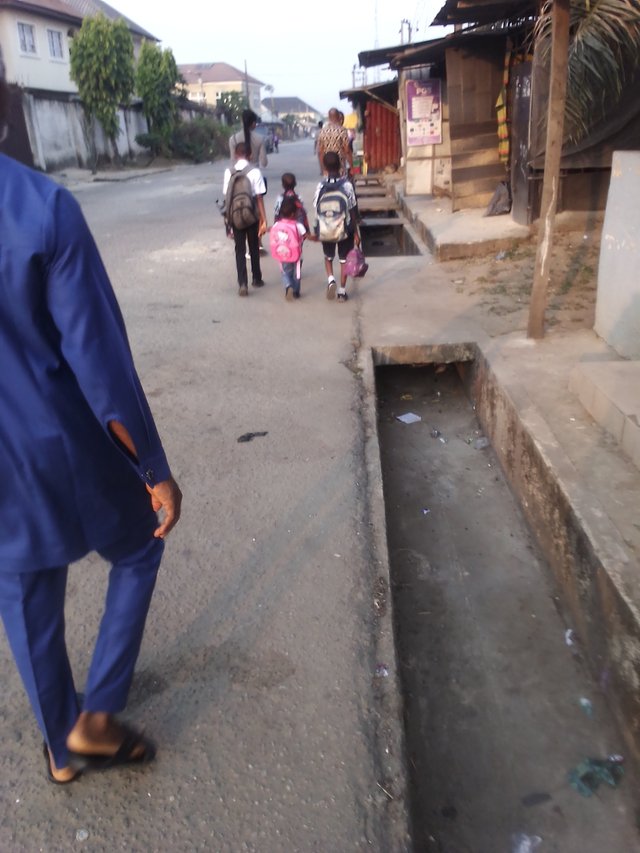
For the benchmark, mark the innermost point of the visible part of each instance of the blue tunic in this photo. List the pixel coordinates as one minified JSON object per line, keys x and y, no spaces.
{"x":66,"y":370}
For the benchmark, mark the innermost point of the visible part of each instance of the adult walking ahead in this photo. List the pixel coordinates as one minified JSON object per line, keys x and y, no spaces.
{"x":255,"y":147}
{"x":81,"y":466}
{"x":334,"y":137}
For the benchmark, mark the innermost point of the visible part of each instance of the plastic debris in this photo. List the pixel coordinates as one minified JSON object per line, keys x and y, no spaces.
{"x":409,"y":418}
{"x":501,"y":256}
{"x":82,"y":835}
{"x":569,"y":637}
{"x":521,"y":843}
{"x":407,"y":397}
{"x":535,"y":799}
{"x":616,"y":758}
{"x":442,"y":439}
{"x":426,"y":511}
{"x":435,"y":433}
{"x":588,"y":775}
{"x":587,"y":706}
{"x":249,"y":436}
{"x":481,"y":443}
{"x":382,"y":671}
{"x":500,"y":201}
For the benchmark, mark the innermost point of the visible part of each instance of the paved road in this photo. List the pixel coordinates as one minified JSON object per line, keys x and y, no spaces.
{"x":256,"y":674}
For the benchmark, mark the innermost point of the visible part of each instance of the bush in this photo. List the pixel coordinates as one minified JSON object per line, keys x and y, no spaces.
{"x":199,"y":140}
{"x":155,"y":142}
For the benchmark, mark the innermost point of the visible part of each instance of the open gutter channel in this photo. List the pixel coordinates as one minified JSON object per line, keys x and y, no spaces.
{"x":498,"y":708}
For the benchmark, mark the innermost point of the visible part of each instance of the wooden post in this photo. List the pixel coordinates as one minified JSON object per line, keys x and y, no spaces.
{"x":552,"y":155}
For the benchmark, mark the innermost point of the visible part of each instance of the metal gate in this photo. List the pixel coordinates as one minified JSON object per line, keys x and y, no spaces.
{"x":381,"y":136}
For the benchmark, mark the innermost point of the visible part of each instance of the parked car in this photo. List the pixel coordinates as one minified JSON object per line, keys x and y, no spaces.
{"x":268,"y":137}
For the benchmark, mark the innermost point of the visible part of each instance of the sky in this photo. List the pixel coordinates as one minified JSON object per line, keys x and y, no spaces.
{"x":305,"y":51}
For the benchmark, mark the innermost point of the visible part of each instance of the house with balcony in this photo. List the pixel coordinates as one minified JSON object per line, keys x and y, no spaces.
{"x":35,"y":37}
{"x":47,"y":123}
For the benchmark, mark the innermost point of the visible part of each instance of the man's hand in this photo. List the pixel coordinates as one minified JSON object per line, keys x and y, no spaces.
{"x":262,"y":228}
{"x":166,"y":496}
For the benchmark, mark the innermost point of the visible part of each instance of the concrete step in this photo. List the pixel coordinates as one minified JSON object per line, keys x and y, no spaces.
{"x":372,"y":221}
{"x":610,"y":392}
{"x":378,"y":203}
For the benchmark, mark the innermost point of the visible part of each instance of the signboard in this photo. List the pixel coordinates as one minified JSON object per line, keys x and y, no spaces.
{"x":424,"y":112}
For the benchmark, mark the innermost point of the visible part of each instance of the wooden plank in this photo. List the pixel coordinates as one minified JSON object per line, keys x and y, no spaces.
{"x":485,"y":184}
{"x":484,"y":142}
{"x":375,"y":204}
{"x":485,"y":157}
{"x":371,"y":222}
{"x":476,"y":173}
{"x":476,"y":128}
{"x":480,"y":200}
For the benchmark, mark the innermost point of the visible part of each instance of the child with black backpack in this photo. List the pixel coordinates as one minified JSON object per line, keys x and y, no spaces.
{"x":289,"y":191}
{"x":245,"y":215}
{"x":337,"y":217}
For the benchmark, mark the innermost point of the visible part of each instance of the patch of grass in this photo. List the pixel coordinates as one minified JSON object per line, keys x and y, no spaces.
{"x":498,"y":289}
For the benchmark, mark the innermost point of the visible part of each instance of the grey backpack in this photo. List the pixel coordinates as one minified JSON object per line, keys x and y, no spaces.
{"x":240,"y":203}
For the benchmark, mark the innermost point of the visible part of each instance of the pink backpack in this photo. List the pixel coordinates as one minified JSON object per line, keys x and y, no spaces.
{"x":285,"y":241}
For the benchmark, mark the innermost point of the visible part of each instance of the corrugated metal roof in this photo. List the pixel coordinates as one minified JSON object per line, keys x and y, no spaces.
{"x":483,"y":11}
{"x":430,"y":52}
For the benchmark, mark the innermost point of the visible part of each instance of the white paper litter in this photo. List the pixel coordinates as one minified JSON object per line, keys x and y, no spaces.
{"x":409,"y":418}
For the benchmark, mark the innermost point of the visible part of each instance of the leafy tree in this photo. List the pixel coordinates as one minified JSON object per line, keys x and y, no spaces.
{"x":604,"y":47}
{"x":157,"y":76}
{"x":232,"y":104}
{"x":102,"y":68}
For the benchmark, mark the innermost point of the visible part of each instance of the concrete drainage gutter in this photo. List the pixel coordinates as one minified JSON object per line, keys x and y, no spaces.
{"x":596,"y":579}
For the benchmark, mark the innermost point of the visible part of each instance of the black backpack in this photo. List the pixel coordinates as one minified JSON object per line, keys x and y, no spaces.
{"x":240,"y":203}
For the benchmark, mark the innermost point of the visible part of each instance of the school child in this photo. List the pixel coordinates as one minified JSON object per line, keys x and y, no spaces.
{"x":337,"y":216}
{"x":245,"y":215}
{"x":289,"y":191}
{"x":286,"y":238}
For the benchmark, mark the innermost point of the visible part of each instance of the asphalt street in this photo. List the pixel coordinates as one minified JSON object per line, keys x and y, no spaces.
{"x":256,"y":675}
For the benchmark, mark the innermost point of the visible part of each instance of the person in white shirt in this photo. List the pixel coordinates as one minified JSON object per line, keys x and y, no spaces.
{"x":248,"y":235}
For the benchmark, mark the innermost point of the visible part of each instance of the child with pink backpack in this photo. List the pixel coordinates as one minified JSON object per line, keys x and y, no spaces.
{"x":286,"y":238}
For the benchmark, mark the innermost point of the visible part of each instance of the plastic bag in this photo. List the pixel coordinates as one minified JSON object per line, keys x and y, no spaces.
{"x":356,"y":265}
{"x":500,"y":200}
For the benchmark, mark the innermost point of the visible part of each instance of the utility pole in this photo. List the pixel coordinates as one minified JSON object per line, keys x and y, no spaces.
{"x":405,"y":22}
{"x":552,"y":157}
{"x":246,"y":83}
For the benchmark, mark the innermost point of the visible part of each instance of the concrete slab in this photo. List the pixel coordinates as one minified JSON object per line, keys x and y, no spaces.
{"x":610,"y":392}
{"x":462,"y":234}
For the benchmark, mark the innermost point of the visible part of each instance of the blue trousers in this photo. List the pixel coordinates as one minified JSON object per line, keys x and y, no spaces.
{"x":32,"y":609}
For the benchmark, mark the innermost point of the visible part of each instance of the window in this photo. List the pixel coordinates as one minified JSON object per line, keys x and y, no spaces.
{"x":27,"y":36}
{"x":56,"y":49}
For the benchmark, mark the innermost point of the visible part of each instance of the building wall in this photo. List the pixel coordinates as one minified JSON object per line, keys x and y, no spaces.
{"x":427,"y":167}
{"x":618,"y":296}
{"x":208,"y":93}
{"x":59,"y":135}
{"x":37,"y":70}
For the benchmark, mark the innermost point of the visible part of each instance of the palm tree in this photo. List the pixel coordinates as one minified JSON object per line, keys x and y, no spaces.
{"x":604,"y":48}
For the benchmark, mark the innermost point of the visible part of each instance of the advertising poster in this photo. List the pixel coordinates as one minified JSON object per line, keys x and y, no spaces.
{"x":424,"y":112}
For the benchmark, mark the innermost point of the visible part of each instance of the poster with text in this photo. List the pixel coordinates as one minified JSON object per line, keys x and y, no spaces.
{"x":424,"y":112}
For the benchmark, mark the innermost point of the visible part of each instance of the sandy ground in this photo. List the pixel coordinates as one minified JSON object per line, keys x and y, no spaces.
{"x":499,"y":286}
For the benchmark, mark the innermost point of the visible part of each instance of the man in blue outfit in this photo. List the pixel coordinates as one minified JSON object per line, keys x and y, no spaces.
{"x":81,"y":469}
